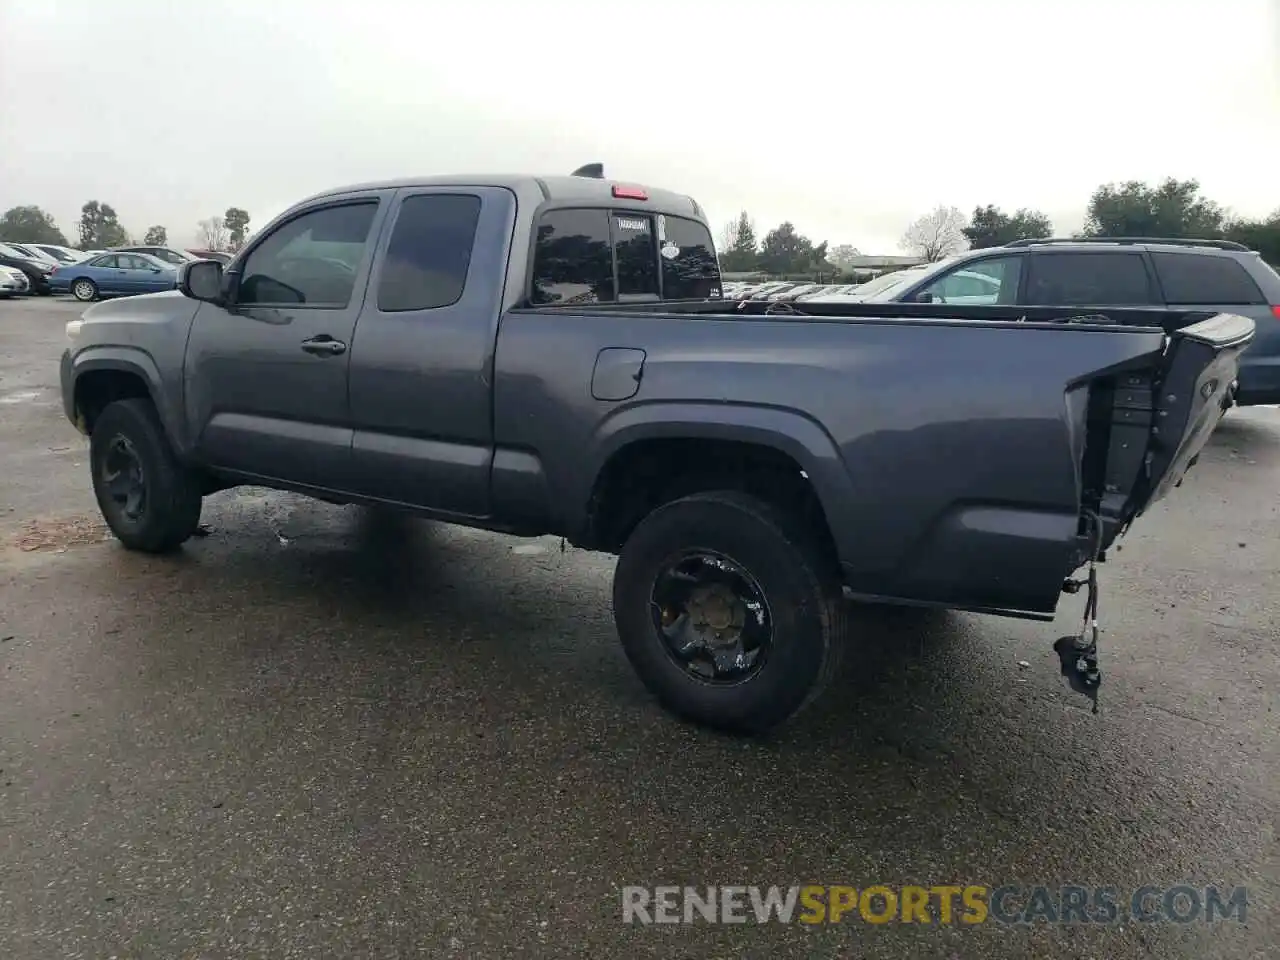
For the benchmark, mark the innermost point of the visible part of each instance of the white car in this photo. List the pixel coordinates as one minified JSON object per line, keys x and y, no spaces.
{"x":13,"y":282}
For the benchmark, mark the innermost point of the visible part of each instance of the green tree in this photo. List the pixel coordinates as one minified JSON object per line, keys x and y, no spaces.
{"x":100,"y":227}
{"x":1260,"y":235}
{"x":30,"y":225}
{"x":786,"y":251}
{"x":1174,"y":208}
{"x":156,"y":236}
{"x":742,"y":249}
{"x":992,"y":227}
{"x":237,"y":224}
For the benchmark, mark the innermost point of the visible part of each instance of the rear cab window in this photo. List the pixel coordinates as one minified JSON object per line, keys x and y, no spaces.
{"x":598,"y":255}
{"x":1088,"y":279}
{"x":1197,"y":278}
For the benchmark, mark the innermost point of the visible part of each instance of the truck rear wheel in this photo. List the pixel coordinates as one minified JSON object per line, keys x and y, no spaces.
{"x":728,"y":611}
{"x":148,"y":499}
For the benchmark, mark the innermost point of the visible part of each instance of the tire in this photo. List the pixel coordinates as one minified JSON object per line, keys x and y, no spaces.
{"x":802,"y":595}
{"x":84,"y":290}
{"x":168,"y":511}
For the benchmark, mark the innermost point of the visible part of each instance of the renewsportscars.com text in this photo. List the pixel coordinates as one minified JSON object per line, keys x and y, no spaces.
{"x":937,"y":904}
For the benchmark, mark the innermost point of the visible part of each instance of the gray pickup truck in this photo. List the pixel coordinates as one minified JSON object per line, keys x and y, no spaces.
{"x":552,"y":356}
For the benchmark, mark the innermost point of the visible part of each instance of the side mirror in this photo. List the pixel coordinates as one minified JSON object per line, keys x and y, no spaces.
{"x":201,"y":280}
{"x":922,"y":297}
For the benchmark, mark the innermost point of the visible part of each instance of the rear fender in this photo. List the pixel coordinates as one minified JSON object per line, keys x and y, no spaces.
{"x":787,"y":431}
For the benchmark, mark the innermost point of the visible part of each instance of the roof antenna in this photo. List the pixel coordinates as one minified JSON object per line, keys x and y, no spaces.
{"x":593,"y":170}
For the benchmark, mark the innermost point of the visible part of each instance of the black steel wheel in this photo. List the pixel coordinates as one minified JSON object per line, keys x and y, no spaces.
{"x":148,"y":498}
{"x":728,"y":610}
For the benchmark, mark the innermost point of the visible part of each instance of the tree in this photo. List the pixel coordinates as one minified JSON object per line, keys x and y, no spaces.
{"x":237,"y":224}
{"x":30,"y":225}
{"x":1175,"y":208}
{"x":156,"y":237}
{"x":1260,"y":235}
{"x":785,"y":251}
{"x":214,"y":233}
{"x":936,"y":235}
{"x":100,"y":227}
{"x":843,"y":256}
{"x":992,"y":227}
{"x":741,"y":250}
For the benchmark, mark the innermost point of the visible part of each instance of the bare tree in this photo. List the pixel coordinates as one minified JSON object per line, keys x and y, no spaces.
{"x":936,"y":235}
{"x":214,"y":233}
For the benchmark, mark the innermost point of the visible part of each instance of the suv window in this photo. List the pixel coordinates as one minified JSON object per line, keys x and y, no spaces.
{"x":310,"y":259}
{"x":689,"y":266}
{"x":1087,"y":279}
{"x":981,"y":282}
{"x":1201,"y":278}
{"x":429,"y":252}
{"x":572,"y":259}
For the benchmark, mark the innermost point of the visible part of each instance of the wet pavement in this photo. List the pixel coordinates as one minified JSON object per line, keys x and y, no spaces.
{"x":319,"y":733}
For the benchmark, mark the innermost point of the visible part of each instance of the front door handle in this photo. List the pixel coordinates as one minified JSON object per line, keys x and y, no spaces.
{"x":324,"y":346}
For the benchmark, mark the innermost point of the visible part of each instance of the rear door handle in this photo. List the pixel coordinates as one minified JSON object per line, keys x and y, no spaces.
{"x":324,"y":346}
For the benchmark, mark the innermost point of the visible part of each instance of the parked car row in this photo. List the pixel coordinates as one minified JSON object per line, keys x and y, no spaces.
{"x":46,"y":268}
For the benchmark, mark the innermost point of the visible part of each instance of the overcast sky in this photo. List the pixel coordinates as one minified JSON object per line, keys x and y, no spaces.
{"x":847,"y":118}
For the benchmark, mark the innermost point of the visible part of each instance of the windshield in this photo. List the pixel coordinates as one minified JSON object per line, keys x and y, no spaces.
{"x":887,"y":282}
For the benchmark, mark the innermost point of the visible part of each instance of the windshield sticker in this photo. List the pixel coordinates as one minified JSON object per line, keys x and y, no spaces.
{"x":670,"y":250}
{"x":628,"y":224}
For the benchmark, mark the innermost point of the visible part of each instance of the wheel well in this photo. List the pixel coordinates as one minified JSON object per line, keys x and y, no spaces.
{"x":648,"y":473}
{"x":98,"y":388}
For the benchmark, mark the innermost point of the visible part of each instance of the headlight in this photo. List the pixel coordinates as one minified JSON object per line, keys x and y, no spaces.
{"x":73,"y":328}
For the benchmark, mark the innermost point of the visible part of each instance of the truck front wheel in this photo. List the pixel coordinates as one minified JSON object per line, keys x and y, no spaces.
{"x":148,"y":499}
{"x":728,"y":610}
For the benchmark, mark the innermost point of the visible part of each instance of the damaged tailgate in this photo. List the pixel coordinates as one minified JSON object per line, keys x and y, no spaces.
{"x":1161,"y":417}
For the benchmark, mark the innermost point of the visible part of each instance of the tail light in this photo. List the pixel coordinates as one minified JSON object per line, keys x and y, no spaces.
{"x":1275,"y":311}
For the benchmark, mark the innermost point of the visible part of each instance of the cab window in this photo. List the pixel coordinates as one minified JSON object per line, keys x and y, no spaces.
{"x":573,"y":258}
{"x":606,"y":256}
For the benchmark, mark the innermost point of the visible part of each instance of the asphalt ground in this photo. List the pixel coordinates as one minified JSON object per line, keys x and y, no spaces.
{"x":321,"y":733}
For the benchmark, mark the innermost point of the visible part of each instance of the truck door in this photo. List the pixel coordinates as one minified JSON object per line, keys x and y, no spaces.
{"x":266,"y":377}
{"x":421,"y":377}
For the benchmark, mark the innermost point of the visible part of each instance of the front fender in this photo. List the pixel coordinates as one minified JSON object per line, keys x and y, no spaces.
{"x":124,"y":359}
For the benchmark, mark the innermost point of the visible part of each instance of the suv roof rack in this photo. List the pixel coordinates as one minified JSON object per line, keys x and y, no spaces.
{"x":1167,"y":241}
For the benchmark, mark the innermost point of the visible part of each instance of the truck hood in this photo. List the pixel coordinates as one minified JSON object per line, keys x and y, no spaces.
{"x":154,"y":307}
{"x":148,"y":322}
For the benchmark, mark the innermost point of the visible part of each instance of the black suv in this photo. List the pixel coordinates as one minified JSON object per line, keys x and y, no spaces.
{"x":1117,"y":272}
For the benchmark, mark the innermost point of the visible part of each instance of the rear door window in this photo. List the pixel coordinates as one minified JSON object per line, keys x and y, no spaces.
{"x":573,"y":259}
{"x":1088,"y":279}
{"x":689,"y":266}
{"x":1199,"y":278}
{"x":429,"y":253}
